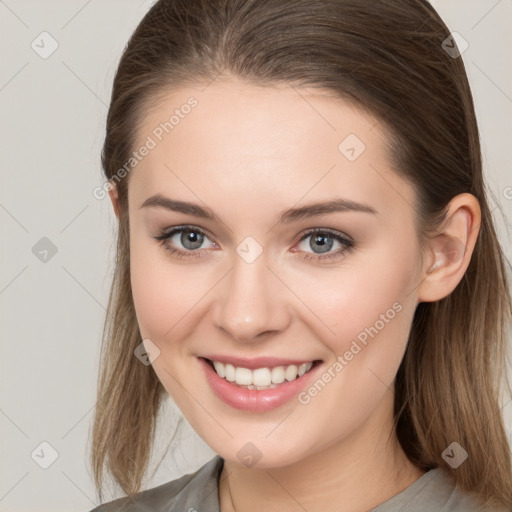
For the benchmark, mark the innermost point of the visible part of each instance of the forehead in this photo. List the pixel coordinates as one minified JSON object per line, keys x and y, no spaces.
{"x":232,"y":136}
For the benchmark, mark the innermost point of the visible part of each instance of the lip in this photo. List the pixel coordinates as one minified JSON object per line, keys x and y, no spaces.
{"x":256,"y":362}
{"x":254,"y":400}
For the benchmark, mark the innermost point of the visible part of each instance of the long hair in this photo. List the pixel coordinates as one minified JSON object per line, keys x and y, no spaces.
{"x":388,"y":58}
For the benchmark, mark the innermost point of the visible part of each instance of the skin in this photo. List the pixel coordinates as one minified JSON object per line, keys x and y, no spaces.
{"x":248,"y":153}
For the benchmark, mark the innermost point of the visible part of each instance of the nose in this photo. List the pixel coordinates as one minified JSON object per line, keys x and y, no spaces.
{"x":252,"y":302}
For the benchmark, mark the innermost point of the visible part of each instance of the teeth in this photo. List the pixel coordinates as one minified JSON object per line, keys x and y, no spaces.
{"x":272,"y":386}
{"x":302,"y":369}
{"x":220,"y":369}
{"x":229,"y":370}
{"x":291,"y":372}
{"x":260,"y":378}
{"x":243,"y":377}
{"x":278,"y":374}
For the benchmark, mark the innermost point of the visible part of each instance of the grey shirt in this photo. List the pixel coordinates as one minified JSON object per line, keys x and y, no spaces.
{"x":198,"y":492}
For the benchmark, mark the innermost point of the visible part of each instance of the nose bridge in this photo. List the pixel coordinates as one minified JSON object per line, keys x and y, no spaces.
{"x":251,"y":300}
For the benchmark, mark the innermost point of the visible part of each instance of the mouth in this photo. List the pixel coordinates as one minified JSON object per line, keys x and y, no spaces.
{"x":259,"y":384}
{"x":265,"y":377}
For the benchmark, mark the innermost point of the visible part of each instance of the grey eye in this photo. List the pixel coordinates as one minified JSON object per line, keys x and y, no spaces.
{"x":322,"y":242}
{"x":191,"y":239}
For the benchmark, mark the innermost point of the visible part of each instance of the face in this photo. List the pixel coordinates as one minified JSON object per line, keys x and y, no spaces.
{"x":243,"y":275}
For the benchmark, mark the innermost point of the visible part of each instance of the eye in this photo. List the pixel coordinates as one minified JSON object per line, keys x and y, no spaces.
{"x":190,"y":238}
{"x":321,"y":241}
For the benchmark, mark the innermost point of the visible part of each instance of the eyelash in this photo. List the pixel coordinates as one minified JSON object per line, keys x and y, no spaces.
{"x":164,"y":236}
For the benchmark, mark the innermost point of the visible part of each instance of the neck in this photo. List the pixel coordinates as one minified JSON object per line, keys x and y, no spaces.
{"x":358,"y":473}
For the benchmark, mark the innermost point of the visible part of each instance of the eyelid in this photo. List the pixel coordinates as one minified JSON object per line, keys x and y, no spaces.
{"x":334,"y":232}
{"x":167,"y":233}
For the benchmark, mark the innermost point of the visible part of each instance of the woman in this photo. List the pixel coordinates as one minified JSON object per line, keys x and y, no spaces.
{"x":306,"y":262}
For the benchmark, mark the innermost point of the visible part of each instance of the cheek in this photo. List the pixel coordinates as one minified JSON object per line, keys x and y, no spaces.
{"x":369,"y":306}
{"x":368,"y":298}
{"x":163,"y":292}
{"x":166,"y":297}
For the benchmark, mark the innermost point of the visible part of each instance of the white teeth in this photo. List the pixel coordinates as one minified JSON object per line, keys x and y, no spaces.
{"x":230,"y":372}
{"x":220,"y":369}
{"x":291,"y":372}
{"x":278,"y":374}
{"x":272,"y":386}
{"x":260,"y":378}
{"x":243,"y":376}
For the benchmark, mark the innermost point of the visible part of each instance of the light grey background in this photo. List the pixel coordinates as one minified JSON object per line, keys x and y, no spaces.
{"x":52,"y":114}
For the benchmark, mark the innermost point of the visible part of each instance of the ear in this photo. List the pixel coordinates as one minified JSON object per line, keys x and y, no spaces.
{"x":114,"y":197}
{"x":449,"y":251}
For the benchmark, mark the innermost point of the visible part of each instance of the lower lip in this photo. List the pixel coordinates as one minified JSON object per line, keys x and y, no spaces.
{"x":252,"y":399}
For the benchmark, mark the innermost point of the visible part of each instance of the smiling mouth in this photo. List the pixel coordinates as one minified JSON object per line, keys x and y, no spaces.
{"x":261,"y":378}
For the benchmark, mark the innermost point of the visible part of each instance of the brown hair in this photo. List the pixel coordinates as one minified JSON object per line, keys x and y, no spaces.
{"x":388,"y":58}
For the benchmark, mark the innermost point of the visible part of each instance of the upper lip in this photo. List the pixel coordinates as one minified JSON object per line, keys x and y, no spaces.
{"x":256,"y":362}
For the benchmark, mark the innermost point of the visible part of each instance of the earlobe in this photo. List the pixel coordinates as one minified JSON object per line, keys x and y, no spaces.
{"x":114,"y":197}
{"x":451,"y":249}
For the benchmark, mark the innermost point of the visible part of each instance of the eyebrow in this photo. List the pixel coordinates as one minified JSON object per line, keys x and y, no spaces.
{"x":286,"y":217}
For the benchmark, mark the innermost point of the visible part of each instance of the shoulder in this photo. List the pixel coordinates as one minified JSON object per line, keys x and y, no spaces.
{"x":195,"y":491}
{"x":433,"y":492}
